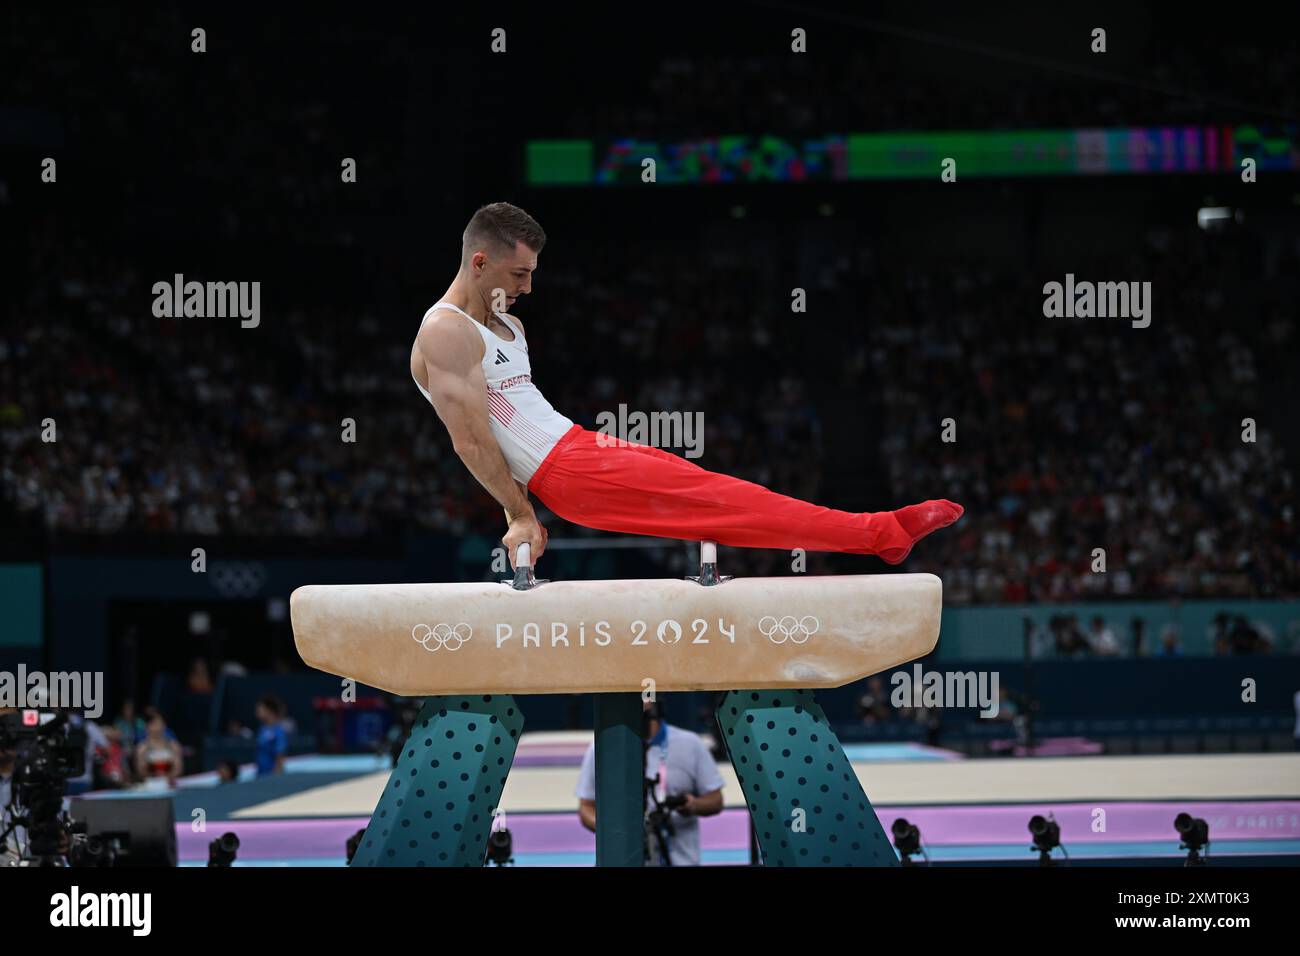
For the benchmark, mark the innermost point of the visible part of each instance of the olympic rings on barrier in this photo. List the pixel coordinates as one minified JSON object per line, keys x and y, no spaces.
{"x":789,"y":628}
{"x":442,"y":635}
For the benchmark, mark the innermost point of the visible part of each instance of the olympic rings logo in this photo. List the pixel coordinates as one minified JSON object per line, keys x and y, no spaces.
{"x":237,"y":578}
{"x":796,"y":631}
{"x":442,"y":635}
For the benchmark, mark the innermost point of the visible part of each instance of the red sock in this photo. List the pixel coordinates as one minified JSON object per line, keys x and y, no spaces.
{"x":901,"y":529}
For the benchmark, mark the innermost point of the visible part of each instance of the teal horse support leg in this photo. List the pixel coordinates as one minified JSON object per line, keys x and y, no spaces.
{"x":806,"y":804}
{"x":620,"y":769}
{"x":436,"y":809}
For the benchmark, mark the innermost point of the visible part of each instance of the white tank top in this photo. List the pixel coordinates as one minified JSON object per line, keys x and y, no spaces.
{"x":523,"y":422}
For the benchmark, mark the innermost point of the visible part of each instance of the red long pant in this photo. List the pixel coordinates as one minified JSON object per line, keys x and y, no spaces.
{"x":636,"y":489}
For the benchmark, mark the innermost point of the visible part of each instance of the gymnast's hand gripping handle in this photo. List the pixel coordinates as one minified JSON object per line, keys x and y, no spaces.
{"x":524,"y":579}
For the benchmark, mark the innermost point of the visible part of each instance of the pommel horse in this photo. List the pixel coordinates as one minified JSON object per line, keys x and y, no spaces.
{"x":468,"y":648}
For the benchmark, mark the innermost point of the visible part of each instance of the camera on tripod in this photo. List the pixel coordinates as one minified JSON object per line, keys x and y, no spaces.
{"x":659,"y":829}
{"x":662,"y":812}
{"x":48,"y":751}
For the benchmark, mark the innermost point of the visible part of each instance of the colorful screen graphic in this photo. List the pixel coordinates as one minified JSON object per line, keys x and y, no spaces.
{"x":855,"y":156}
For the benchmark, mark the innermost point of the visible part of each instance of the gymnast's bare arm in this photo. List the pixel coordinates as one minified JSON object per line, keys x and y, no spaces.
{"x":451,"y":354}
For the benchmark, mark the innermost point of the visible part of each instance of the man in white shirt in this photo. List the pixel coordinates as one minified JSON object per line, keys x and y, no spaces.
{"x":690,"y":771}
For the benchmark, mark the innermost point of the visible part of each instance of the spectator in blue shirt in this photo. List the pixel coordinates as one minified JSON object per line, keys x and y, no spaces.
{"x":272,"y":741}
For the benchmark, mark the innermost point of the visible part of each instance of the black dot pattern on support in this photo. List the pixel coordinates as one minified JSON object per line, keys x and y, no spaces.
{"x":790,"y":765}
{"x":443,"y":791}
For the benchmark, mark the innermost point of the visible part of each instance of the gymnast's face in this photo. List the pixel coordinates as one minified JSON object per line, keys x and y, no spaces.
{"x":511,"y":271}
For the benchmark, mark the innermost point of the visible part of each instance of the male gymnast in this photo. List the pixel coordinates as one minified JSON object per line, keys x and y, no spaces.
{"x":470,"y":360}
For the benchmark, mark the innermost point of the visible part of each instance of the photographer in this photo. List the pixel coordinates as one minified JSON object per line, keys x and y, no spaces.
{"x":692,"y":776}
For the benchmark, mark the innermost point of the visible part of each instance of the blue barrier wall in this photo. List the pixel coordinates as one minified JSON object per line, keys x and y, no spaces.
{"x":993,"y":633}
{"x":22,"y":598}
{"x":1097,"y":699}
{"x":1211,"y":686}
